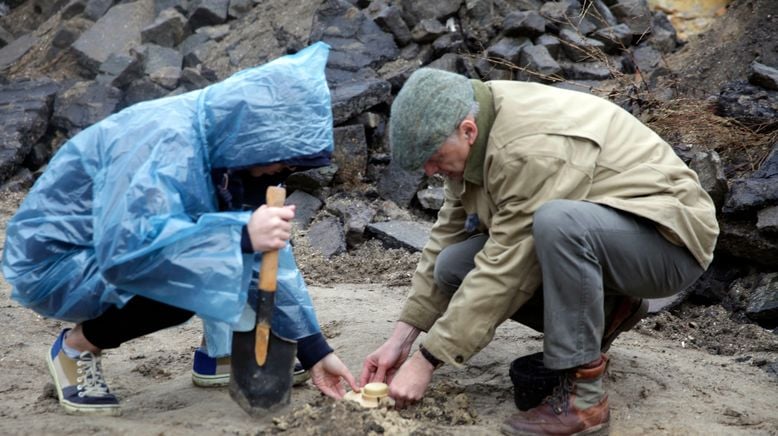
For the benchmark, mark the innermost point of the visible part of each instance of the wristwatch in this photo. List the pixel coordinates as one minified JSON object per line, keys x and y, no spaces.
{"x":434,"y":361}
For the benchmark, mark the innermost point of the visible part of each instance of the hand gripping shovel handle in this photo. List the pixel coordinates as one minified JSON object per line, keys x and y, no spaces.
{"x":268,"y":273}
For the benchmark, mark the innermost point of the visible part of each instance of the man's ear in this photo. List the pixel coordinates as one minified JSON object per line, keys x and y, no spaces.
{"x":469,"y":129}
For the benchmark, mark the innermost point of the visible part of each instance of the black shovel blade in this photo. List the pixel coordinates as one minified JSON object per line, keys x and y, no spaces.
{"x":260,"y":390}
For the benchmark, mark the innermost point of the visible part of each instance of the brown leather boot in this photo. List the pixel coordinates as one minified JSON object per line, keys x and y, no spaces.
{"x":627,"y":314}
{"x":579,"y":405}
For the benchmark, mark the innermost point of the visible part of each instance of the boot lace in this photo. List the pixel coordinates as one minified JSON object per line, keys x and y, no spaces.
{"x":90,"y":376}
{"x":559,"y":400}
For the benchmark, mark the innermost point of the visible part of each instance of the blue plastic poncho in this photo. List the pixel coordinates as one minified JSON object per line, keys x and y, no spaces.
{"x":127,"y":207}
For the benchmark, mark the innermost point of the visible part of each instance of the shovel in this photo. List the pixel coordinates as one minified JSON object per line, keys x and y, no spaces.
{"x":262,"y":363}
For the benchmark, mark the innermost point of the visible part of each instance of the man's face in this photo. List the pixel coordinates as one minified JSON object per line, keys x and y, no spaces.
{"x":450,"y":158}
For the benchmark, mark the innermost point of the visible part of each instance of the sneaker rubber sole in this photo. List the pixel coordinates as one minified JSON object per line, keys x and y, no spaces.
{"x":215,"y":381}
{"x":80,"y":409}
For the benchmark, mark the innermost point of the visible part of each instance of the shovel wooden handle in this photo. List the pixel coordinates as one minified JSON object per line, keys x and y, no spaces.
{"x":268,"y":274}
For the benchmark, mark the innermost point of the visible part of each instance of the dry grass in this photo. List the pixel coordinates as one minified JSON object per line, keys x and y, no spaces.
{"x":693,"y":122}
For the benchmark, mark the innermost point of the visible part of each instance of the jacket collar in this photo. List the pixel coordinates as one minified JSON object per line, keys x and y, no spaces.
{"x":474,"y":167}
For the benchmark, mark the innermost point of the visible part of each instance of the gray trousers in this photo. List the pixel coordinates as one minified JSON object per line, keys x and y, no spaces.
{"x":589,"y":256}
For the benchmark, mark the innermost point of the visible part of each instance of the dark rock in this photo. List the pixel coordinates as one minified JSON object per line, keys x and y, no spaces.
{"x":551,"y":43}
{"x":84,"y":104}
{"x":580,"y":25}
{"x":116,"y":32}
{"x":431,"y":198}
{"x":192,"y":79}
{"x":524,"y":23}
{"x":350,"y":99}
{"x":350,"y":154}
{"x":120,"y":70}
{"x":767,"y":219}
{"x":390,"y":20}
{"x":356,"y":40}
{"x":168,"y":29}
{"x":714,"y":286}
{"x":602,"y":15}
{"x":710,"y":171}
{"x":663,"y":35}
{"x":312,"y":180}
{"x":65,"y":35}
{"x":749,"y":195}
{"x":579,"y":48}
{"x":537,"y":59}
{"x":5,"y":37}
{"x":96,"y":9}
{"x":635,"y":14}
{"x":587,"y":70}
{"x":427,"y":31}
{"x":508,"y":49}
{"x":455,"y":64}
{"x":356,"y":214}
{"x":16,"y":49}
{"x":764,"y":76}
{"x":649,"y":60}
{"x":399,"y":185}
{"x":207,"y":13}
{"x":615,"y":39}
{"x":751,"y":105}
{"x":19,"y":182}
{"x":559,"y":13}
{"x":25,"y":108}
{"x":738,"y":239}
{"x":306,"y":207}
{"x":239,"y":8}
{"x":180,"y":5}
{"x":410,"y":235}
{"x":763,"y":302}
{"x":416,"y":11}
{"x":449,"y":43}
{"x":769,"y":167}
{"x":142,"y":89}
{"x":195,"y":48}
{"x":216,"y":33}
{"x":47,"y":8}
{"x":156,"y":57}
{"x":327,"y":237}
{"x":75,"y":7}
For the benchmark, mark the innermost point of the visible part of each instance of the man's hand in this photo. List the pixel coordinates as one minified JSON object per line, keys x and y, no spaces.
{"x":411,"y":381}
{"x":326,"y":375}
{"x":270,"y":227}
{"x":381,"y":364}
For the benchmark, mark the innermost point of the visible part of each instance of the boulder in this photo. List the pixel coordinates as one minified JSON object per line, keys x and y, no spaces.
{"x":117,"y":31}
{"x":410,"y":235}
{"x":25,"y":108}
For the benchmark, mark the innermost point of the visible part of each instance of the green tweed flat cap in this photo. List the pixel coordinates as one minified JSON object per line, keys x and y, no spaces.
{"x":428,"y":109}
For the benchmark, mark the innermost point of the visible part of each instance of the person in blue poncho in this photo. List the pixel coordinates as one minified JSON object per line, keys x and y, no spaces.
{"x":128,"y":232}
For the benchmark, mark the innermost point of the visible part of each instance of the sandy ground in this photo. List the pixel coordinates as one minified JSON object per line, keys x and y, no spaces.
{"x":656,"y":386}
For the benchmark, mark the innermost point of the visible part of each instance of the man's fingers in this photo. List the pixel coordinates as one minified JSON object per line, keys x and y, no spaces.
{"x":380,"y":375}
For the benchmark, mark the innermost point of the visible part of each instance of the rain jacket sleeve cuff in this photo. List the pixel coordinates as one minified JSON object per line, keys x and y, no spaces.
{"x":312,"y":349}
{"x":245,"y":241}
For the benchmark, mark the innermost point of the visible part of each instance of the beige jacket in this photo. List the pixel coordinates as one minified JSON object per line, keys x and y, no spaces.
{"x":537,"y":143}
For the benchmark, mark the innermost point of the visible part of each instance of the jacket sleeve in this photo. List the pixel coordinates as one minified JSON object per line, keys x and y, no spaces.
{"x":426,"y":303}
{"x":506,"y":272}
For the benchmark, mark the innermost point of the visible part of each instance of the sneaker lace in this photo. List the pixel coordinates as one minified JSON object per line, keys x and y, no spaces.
{"x":91,"y":381}
{"x":559,"y":400}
